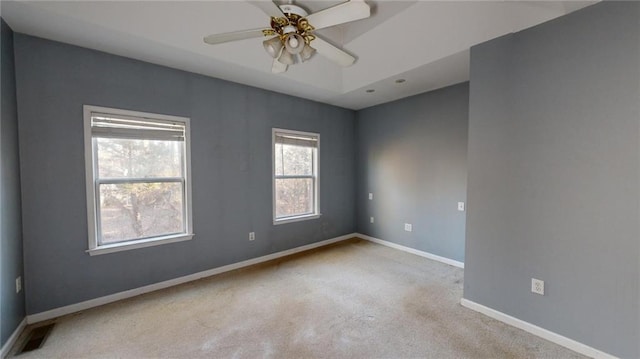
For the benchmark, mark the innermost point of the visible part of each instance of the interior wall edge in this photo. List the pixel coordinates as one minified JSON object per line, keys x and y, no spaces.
{"x":12,"y":299}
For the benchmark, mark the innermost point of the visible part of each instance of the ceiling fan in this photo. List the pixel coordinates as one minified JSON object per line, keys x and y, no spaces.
{"x":293,"y":34}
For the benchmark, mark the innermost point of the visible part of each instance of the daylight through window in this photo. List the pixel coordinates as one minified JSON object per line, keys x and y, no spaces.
{"x":295,"y":180}
{"x":137,"y":175}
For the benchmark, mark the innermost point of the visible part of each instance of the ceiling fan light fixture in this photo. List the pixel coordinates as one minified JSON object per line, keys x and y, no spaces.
{"x":307,"y":52}
{"x":294,"y":43}
{"x":273,"y":46}
{"x":286,"y":58}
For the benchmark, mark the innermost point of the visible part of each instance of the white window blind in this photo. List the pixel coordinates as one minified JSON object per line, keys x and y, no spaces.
{"x":296,"y":140}
{"x":108,"y":126}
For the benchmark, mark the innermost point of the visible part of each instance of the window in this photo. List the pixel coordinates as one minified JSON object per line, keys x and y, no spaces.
{"x":138,"y":179}
{"x":295,"y":175}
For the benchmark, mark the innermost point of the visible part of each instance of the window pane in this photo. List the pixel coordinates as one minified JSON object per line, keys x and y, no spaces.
{"x":140,"y":210}
{"x":294,"y":196}
{"x":293,"y":160}
{"x":127,"y":158}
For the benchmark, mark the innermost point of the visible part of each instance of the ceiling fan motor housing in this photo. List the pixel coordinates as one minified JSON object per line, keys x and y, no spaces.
{"x":289,"y":29}
{"x":293,"y":9}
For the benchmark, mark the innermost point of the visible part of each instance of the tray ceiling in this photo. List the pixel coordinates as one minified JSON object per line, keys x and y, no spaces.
{"x":425,"y":42}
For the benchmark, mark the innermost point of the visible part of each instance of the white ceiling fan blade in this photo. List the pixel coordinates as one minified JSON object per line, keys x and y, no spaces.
{"x":339,"y":14}
{"x":332,"y":53}
{"x":269,"y":7}
{"x":233,"y":36}
{"x":278,"y":67}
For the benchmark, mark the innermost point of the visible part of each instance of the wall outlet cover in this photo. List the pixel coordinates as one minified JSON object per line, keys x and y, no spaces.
{"x":18,"y":284}
{"x":252,"y":236}
{"x":370,"y":196}
{"x":408,"y":227}
{"x":537,"y":286}
{"x":371,"y":219}
{"x":461,"y":206}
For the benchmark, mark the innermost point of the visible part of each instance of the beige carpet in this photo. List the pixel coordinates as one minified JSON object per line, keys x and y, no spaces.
{"x":354,"y":299}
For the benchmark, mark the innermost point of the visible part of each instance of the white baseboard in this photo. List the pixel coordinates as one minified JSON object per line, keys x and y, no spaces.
{"x":536,"y":330}
{"x":12,"y":339}
{"x":412,"y":250}
{"x":73,"y":308}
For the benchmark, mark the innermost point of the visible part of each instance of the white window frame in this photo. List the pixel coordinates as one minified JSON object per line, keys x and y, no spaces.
{"x":92,"y":177}
{"x":316,"y":177}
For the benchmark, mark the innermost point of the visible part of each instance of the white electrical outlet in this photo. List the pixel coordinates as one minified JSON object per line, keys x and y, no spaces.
{"x":537,"y":286}
{"x":370,"y":196}
{"x":408,"y":227}
{"x":18,"y":284}
{"x":252,"y":236}
{"x":461,"y":206}
{"x":371,"y":219}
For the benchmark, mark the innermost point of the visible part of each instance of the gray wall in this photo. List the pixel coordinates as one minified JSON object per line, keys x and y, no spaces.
{"x":231,"y":169}
{"x":412,"y":155}
{"x":554,"y":176}
{"x":12,"y":309}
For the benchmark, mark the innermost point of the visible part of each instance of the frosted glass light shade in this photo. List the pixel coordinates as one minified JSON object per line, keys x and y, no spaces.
{"x":294,"y":43}
{"x":273,"y":46}
{"x":286,"y":58}
{"x":307,"y":52}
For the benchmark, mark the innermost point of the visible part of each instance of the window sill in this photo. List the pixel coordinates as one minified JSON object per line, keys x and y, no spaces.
{"x":296,"y":218}
{"x":149,"y":242}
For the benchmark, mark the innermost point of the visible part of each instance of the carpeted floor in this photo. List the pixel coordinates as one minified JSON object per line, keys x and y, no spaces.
{"x":353,"y":299}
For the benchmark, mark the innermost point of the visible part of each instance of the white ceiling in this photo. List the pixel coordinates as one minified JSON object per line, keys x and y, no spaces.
{"x":425,"y":42}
